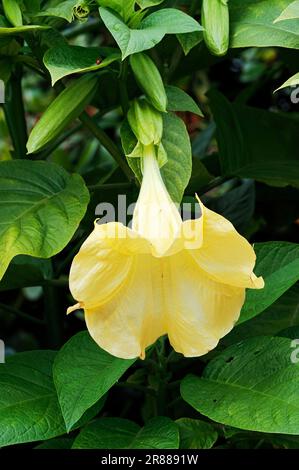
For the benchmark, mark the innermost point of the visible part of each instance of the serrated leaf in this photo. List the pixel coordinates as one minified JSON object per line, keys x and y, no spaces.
{"x":278,"y":263}
{"x":66,"y":60}
{"x":29,"y":409}
{"x":83,"y":373}
{"x":151,"y":30}
{"x":41,"y":207}
{"x":252,"y":385}
{"x":251,"y":24}
{"x":196,"y":434}
{"x":179,"y":100}
{"x":117,"y":433}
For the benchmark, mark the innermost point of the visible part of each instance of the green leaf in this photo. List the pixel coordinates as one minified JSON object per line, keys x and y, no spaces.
{"x":66,"y":60}
{"x":41,"y":207}
{"x":148,"y":3}
{"x":264,"y":146}
{"x":83,"y":373}
{"x":151,"y":31}
{"x":117,"y":433}
{"x":252,"y":24}
{"x":65,"y":108}
{"x":61,"y":10}
{"x":252,"y":385}
{"x":282,"y":314}
{"x":237,"y":205}
{"x":177,"y":171}
{"x":57,"y":443}
{"x":125,"y":8}
{"x":278,"y":263}
{"x":289,"y":13}
{"x":29,"y":409}
{"x":196,"y":434}
{"x":179,"y":100}
{"x":293,"y":81}
{"x":25,"y":271}
{"x":190,"y":40}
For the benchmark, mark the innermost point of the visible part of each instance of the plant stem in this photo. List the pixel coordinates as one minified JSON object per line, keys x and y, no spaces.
{"x":109,"y":145}
{"x":17,"y":312}
{"x":53,"y":317}
{"x":15,"y":114}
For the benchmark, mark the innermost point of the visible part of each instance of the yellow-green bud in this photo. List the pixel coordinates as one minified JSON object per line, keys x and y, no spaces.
{"x":215,"y":20}
{"x":146,"y":122}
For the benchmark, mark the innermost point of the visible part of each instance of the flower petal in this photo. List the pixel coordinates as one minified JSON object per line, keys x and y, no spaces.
{"x":200,"y":311}
{"x":132,"y":319}
{"x":103,"y":263}
{"x":225,"y":255}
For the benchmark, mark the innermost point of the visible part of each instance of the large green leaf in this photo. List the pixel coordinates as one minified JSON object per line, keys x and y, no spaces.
{"x":83,"y":373}
{"x":264,"y":144}
{"x":64,"y":9}
{"x":293,"y":81}
{"x":117,"y":433}
{"x":177,"y":171}
{"x":41,"y":207}
{"x":66,"y":60}
{"x":196,"y":434}
{"x":25,"y":271}
{"x":252,"y":24}
{"x":151,"y":30}
{"x":278,"y":263}
{"x":282,"y":314}
{"x":29,"y":409}
{"x":252,"y":385}
{"x":289,"y":13}
{"x":179,"y":100}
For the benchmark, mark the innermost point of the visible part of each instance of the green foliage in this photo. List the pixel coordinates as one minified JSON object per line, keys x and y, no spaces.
{"x":151,"y":30}
{"x":94,"y":82}
{"x":252,"y":385}
{"x":82,"y":362}
{"x":117,"y":433}
{"x":41,"y":207}
{"x":29,"y":409}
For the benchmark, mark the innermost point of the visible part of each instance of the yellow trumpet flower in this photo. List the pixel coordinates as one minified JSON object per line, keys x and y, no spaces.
{"x":163,"y":276}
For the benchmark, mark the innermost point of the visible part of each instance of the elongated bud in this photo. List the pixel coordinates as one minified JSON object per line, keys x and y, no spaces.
{"x":215,"y":20}
{"x":62,"y":111}
{"x":13,"y":12}
{"x":146,"y":122}
{"x":149,"y":79}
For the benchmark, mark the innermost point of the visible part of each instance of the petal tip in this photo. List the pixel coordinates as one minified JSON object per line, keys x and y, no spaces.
{"x":73,"y":308}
